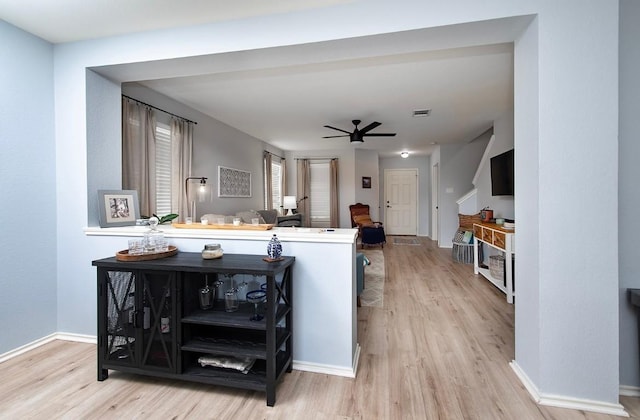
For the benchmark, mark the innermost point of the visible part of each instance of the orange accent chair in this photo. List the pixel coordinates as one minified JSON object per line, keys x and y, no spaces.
{"x":371,"y":233}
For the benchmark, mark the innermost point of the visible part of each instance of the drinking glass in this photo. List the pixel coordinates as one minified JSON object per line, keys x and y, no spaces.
{"x":256,"y":297}
{"x":231,"y":302}
{"x":206,"y":296}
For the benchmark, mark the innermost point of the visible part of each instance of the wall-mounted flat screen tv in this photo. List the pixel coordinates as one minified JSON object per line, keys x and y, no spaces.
{"x":502,"y":177}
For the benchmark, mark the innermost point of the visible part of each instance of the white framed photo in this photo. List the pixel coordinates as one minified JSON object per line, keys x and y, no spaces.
{"x":118,"y":208}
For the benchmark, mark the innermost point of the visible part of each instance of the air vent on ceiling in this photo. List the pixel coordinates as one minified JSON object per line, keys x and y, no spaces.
{"x":421,"y":112}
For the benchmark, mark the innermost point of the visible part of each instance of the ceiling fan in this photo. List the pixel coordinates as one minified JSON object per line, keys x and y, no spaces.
{"x":357,"y":135}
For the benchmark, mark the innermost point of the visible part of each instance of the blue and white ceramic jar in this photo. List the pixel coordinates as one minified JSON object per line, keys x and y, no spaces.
{"x":274,"y":249}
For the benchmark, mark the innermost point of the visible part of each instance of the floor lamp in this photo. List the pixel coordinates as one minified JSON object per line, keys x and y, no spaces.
{"x":201,"y":195}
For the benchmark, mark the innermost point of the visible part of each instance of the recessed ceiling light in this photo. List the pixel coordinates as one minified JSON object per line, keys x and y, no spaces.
{"x":421,"y":112}
{"x":404,"y":155}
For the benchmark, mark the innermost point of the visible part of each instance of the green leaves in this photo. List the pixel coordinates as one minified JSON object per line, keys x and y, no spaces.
{"x":167,"y":218}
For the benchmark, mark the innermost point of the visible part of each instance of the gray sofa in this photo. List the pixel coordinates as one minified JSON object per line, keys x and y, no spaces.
{"x":266,"y":216}
{"x":272,"y":217}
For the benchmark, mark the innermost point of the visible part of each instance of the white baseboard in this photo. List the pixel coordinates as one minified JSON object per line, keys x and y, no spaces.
{"x":330,"y":369}
{"x":92,"y":339}
{"x":356,"y":360}
{"x":80,"y":338}
{"x":566,"y":402}
{"x":27,"y":347}
{"x":629,"y":391}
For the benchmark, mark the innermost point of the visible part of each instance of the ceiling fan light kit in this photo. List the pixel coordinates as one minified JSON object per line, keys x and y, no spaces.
{"x":357,"y":136}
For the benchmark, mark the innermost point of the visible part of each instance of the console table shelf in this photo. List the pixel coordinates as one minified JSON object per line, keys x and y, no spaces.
{"x":150,"y":322}
{"x":502,"y":240}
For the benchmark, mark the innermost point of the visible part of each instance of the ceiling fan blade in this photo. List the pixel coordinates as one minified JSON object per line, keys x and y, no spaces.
{"x":339,"y":129}
{"x":380,"y":134}
{"x":370,"y":127}
{"x":333,"y":137}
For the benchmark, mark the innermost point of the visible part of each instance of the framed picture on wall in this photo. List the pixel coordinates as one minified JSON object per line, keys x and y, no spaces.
{"x":233,"y":182}
{"x":118,"y":208}
{"x":366,"y":182}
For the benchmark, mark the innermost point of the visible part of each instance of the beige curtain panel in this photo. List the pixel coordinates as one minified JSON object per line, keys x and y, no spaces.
{"x":181,"y":152}
{"x":138,"y":153}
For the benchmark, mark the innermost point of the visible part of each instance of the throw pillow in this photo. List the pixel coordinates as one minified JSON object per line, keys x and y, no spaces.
{"x":363,"y":220}
{"x":457,"y":238}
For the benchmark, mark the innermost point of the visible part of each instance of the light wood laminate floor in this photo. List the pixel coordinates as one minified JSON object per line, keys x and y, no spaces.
{"x":439,"y":349}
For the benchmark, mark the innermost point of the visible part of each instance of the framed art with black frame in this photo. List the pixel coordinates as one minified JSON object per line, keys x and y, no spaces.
{"x":366,"y":182}
{"x":118,"y":208}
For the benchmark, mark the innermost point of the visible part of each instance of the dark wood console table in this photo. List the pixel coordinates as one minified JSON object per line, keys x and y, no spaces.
{"x":150,"y":321}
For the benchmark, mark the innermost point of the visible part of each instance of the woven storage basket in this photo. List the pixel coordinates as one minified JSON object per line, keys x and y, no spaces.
{"x":466,"y":221}
{"x":496,"y":266}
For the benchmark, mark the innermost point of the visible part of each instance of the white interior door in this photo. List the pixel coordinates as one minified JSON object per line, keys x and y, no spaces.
{"x":401,"y":201}
{"x":435,"y":182}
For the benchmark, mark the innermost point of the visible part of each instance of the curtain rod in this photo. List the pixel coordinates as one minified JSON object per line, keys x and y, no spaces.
{"x":273,"y":154}
{"x":317,"y":158}
{"x":159,"y":109}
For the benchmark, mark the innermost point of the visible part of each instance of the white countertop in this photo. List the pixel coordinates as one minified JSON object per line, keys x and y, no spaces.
{"x":293,"y":234}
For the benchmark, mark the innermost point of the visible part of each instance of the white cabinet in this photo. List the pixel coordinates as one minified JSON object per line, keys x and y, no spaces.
{"x":503,"y":240}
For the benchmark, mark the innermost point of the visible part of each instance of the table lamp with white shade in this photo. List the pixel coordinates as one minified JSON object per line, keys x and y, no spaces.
{"x":289,"y":204}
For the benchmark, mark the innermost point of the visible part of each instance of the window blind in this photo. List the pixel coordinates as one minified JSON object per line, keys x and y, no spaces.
{"x":163,"y":169}
{"x":320,"y":194}
{"x":276,"y":169}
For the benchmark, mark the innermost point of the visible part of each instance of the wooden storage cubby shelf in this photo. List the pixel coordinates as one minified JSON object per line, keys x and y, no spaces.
{"x":502,"y":240}
{"x":150,"y":323}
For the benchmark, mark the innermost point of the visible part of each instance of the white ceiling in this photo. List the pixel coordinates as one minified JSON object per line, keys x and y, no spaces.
{"x":466,"y":83}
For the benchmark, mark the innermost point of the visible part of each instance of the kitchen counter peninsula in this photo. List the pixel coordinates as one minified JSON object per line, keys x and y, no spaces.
{"x":325,"y":319}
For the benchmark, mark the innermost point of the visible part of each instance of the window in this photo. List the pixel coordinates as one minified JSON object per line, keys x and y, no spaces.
{"x":320,"y":197}
{"x":163,"y":169}
{"x":276,"y":184}
{"x":276,"y":177}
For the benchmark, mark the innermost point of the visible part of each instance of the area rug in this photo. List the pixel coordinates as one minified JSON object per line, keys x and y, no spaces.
{"x":374,"y":273}
{"x":405,"y":241}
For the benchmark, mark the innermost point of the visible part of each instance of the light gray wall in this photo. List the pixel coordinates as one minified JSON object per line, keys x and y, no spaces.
{"x":629,"y":188}
{"x":574,"y":352}
{"x":104,"y":145}
{"x":28,"y":187}
{"x":527,"y":178}
{"x":421,"y":163}
{"x":502,"y":206}
{"x":578,"y":301}
{"x":458,"y":165}
{"x":366,"y":164}
{"x":214,"y":144}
